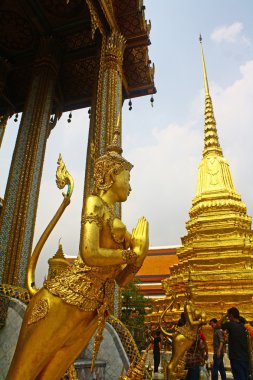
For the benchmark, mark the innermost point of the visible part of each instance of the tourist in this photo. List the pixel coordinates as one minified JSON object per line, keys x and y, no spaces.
{"x":157,"y":350}
{"x":218,"y":350}
{"x":237,"y":343}
{"x":196,"y":356}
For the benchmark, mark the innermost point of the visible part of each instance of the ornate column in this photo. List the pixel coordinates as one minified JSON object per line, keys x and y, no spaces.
{"x":21,"y":196}
{"x":106,"y":115}
{"x":107,"y":102}
{"x":112,"y":89}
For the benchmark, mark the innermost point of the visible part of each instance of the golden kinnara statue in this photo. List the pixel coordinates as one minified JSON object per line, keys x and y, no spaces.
{"x":183,"y":336}
{"x":63,"y":315}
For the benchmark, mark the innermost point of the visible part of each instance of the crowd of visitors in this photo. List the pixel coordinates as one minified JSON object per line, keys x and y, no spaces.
{"x":229,"y":329}
{"x":233,"y":324}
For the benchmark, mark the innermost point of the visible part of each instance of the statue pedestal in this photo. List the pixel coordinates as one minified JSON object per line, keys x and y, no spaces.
{"x":9,"y":334}
{"x":83,"y":370}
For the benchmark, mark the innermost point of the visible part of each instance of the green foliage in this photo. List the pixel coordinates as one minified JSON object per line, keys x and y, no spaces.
{"x":133,"y":312}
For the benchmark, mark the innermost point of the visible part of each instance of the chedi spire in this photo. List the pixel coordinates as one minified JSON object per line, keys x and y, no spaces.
{"x":211,"y":139}
{"x":214,"y":177}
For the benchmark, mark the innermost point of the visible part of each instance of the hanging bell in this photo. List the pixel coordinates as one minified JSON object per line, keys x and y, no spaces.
{"x":130,"y":105}
{"x":70,"y":117}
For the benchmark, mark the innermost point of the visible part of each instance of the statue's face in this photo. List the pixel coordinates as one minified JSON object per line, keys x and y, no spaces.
{"x":197,"y":313}
{"x":121,"y":185}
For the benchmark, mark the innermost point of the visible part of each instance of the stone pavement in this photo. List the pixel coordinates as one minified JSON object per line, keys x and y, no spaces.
{"x":165,"y":356}
{"x":159,"y":376}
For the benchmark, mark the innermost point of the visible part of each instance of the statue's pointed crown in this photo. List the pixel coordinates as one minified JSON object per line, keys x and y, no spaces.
{"x":110,"y":163}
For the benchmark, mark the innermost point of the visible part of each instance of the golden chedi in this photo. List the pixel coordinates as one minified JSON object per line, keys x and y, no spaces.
{"x":218,"y":247}
{"x":183,"y":335}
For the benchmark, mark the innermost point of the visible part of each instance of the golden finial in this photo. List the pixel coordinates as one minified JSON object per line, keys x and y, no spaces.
{"x":204,"y":66}
{"x":115,"y":145}
{"x":59,"y":252}
{"x":189,"y":286}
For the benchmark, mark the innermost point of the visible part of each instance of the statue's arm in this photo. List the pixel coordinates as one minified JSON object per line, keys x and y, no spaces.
{"x":190,"y":316}
{"x":127,"y":242}
{"x":91,"y":252}
{"x":127,"y":275}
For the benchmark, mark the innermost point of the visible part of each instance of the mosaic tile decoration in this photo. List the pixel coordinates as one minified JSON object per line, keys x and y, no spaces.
{"x":33,"y":196}
{"x":4,"y":303}
{"x":104,"y":103}
{"x":117,"y":301}
{"x":13,"y":181}
{"x":15,"y":292}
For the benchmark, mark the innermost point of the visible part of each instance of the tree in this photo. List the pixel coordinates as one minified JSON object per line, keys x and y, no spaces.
{"x":133,"y":312}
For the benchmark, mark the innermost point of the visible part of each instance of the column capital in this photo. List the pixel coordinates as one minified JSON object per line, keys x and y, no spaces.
{"x":114,"y":49}
{"x":49,"y":53}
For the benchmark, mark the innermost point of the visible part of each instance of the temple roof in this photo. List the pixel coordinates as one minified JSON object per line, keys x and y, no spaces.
{"x":24,"y":22}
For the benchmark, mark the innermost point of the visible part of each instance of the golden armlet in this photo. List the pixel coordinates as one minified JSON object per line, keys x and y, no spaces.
{"x":129,"y":256}
{"x":92,"y":219}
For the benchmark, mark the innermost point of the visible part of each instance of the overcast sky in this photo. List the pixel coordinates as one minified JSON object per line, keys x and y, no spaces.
{"x":164,"y":142}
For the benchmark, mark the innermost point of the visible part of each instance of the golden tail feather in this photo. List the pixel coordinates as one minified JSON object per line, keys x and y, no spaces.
{"x":167,"y":333}
{"x":63,"y":178}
